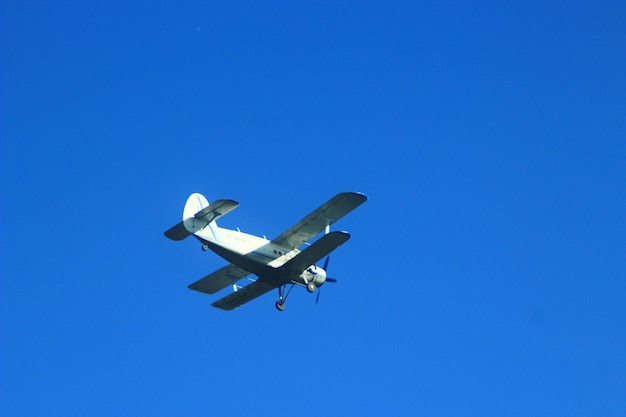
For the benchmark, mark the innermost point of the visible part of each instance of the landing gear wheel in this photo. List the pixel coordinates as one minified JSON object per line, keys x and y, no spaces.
{"x":280,"y":306}
{"x":310,"y":287}
{"x":205,"y":247}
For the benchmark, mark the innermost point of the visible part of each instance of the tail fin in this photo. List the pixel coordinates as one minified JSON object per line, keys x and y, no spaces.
{"x":197,"y":215}
{"x":195,"y":203}
{"x":196,"y":218}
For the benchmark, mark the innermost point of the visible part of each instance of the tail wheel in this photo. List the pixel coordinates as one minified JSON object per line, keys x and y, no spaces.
{"x":280,"y":306}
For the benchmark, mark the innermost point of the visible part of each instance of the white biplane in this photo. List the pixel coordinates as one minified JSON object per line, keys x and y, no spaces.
{"x":282,"y":262}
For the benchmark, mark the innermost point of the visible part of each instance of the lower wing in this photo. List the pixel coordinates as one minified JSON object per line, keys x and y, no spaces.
{"x":219,"y":279}
{"x":319,"y":249}
{"x":247,"y":293}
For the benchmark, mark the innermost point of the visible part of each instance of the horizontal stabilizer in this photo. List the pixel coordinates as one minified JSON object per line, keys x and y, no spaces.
{"x":219,"y":279}
{"x":177,"y":232}
{"x":247,"y":293}
{"x":201,"y":218}
{"x":216,"y":210}
{"x":322,"y":247}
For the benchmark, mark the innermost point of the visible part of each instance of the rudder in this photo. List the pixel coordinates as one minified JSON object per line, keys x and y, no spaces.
{"x":197,"y":215}
{"x":195,"y":204}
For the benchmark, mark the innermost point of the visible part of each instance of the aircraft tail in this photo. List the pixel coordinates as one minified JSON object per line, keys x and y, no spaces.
{"x":197,"y":215}
{"x":195,"y":203}
{"x":194,"y":221}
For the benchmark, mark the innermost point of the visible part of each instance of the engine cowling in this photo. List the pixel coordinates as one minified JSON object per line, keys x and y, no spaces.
{"x":314,"y":274}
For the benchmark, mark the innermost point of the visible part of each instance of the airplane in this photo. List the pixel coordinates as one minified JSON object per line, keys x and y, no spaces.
{"x":282,"y":263}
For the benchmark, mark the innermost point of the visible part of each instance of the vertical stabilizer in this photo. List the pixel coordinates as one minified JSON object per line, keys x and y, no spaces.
{"x":197,"y":215}
{"x":195,"y":204}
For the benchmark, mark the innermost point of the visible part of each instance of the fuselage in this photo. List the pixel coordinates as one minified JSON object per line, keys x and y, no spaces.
{"x":254,"y":248}
{"x":257,"y":255}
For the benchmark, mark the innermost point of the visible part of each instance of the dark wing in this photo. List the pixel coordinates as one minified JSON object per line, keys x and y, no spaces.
{"x":322,"y":247}
{"x":219,"y":279}
{"x":247,"y":293}
{"x":327,"y":214}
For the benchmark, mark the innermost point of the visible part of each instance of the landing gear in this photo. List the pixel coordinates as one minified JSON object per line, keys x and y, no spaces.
{"x":310,"y":287}
{"x":283,"y":293}
{"x":205,"y":247}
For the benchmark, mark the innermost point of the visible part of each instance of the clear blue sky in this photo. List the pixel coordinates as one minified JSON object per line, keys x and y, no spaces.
{"x":486,"y":275}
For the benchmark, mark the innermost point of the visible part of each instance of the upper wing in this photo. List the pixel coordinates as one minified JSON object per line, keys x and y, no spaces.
{"x":219,"y":279}
{"x":327,"y":214}
{"x":247,"y":293}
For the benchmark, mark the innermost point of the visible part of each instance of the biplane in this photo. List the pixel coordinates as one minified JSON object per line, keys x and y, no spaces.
{"x":281,"y":263}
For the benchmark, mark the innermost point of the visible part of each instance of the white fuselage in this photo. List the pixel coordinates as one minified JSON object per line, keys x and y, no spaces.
{"x":252,"y":247}
{"x":255,"y":254}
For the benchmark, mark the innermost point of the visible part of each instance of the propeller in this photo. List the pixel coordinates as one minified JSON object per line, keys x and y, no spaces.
{"x":332,"y":280}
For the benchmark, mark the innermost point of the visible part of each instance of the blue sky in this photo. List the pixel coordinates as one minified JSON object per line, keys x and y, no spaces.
{"x":485,"y":275}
